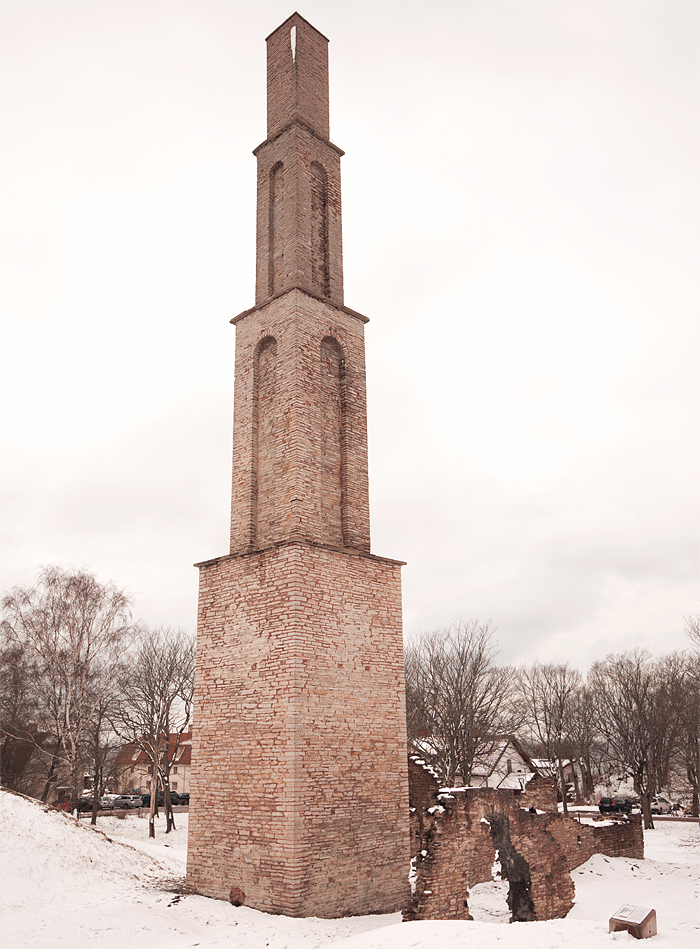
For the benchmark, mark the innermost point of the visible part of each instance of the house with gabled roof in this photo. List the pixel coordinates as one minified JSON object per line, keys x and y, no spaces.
{"x":134,"y":768}
{"x":504,"y":764}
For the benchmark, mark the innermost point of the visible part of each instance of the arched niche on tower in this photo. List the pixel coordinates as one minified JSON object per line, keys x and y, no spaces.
{"x":333,"y":447}
{"x":275,"y":262}
{"x":266,"y":444}
{"x":320,"y":272}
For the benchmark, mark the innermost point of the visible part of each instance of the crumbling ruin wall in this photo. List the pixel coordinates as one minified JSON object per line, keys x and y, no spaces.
{"x":620,"y":838}
{"x":458,"y":847}
{"x":424,"y":786}
{"x":540,"y":793}
{"x":454,"y":852}
{"x":456,"y":836}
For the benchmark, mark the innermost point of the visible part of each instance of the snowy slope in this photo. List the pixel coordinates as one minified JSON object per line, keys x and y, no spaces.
{"x":63,"y":884}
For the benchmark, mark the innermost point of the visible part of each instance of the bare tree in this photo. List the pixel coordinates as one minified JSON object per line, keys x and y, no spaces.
{"x":102,"y":743}
{"x":637,"y":710}
{"x":155,"y":706}
{"x":585,"y":743}
{"x":72,"y":628}
{"x":458,"y":700}
{"x":550,"y":694}
{"x":691,"y":713}
{"x":692,"y":629}
{"x":27,"y":748}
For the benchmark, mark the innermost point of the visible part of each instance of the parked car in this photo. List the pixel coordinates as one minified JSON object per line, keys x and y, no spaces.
{"x":185,"y":798}
{"x":146,"y":800}
{"x":174,"y":797}
{"x":107,"y":801}
{"x":661,"y":805}
{"x":127,"y":801}
{"x":84,"y":804}
{"x":615,"y":805}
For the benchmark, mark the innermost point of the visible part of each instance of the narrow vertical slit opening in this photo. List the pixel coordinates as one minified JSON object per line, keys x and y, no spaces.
{"x":275,"y":255}
{"x":293,"y":42}
{"x":320,"y":271}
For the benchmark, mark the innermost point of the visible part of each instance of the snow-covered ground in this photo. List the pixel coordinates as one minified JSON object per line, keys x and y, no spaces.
{"x":66,"y":885}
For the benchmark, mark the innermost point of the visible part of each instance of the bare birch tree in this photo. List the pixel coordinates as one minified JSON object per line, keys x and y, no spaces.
{"x":457,"y":698}
{"x":73,"y":630}
{"x":155,"y":706}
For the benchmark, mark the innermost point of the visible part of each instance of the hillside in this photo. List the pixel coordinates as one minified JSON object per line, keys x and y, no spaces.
{"x":64,"y":884}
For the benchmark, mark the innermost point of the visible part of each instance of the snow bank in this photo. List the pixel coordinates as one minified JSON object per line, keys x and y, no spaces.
{"x":63,"y":884}
{"x":48,"y":856}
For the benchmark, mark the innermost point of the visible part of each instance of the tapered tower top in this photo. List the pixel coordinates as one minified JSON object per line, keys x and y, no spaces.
{"x":297,"y":77}
{"x":299,"y":226}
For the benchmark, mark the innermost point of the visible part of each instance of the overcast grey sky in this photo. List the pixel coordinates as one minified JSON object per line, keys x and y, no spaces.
{"x":520,"y":201}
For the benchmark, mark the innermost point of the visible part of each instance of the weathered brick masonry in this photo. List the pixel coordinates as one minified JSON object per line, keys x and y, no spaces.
{"x":301,"y":761}
{"x":455,"y":836}
{"x":299,"y":778}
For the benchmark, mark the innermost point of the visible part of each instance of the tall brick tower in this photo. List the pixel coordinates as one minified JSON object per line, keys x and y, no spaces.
{"x":299,"y":782}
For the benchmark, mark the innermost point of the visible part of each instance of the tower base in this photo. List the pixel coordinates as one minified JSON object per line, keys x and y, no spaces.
{"x":299,"y":786}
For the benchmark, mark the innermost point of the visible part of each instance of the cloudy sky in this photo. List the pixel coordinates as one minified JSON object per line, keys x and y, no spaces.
{"x":520,"y":194}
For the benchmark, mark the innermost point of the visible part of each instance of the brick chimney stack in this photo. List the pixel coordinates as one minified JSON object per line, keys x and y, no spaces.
{"x":299,"y":777}
{"x":299,"y":232}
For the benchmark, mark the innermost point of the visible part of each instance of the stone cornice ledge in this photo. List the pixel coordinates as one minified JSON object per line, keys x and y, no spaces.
{"x":347,"y":551}
{"x":309,"y":293}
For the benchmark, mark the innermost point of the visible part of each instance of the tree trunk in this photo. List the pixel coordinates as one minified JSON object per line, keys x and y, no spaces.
{"x":96,"y":781}
{"x":168,"y":804}
{"x":645,"y":797}
{"x":577,"y":789}
{"x":153,"y":810}
{"x":562,"y":785}
{"x":50,"y":779}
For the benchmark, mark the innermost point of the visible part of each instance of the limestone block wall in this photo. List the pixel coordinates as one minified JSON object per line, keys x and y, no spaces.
{"x":299,"y":779}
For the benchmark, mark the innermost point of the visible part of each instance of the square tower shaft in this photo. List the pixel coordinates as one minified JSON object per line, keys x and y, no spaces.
{"x":299,"y":777}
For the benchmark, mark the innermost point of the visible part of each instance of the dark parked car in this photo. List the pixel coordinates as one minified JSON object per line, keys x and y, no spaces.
{"x":185,"y":798}
{"x":84,"y":804}
{"x":615,"y":805}
{"x":146,"y":799}
{"x":174,"y":797}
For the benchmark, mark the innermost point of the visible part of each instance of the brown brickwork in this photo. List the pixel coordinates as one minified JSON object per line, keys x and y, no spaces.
{"x":578,"y":842}
{"x":299,"y":780}
{"x":540,"y":792}
{"x":299,"y":223}
{"x":459,"y":836}
{"x":297,"y":77}
{"x":300,"y":426}
{"x":299,"y":749}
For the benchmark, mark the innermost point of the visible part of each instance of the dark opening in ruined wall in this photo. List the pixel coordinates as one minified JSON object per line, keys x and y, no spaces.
{"x":514,"y":868}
